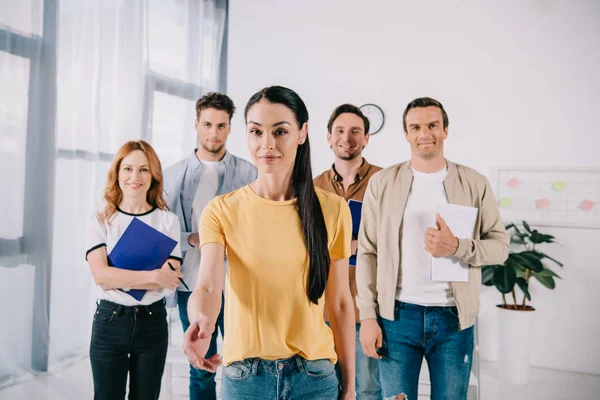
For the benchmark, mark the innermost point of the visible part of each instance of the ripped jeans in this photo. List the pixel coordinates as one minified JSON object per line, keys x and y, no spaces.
{"x":430,"y":332}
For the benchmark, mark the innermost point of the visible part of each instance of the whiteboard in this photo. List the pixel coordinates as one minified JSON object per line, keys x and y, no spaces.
{"x":549,"y":196}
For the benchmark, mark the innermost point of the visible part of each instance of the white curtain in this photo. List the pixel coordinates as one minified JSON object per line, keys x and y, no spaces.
{"x":78,"y":78}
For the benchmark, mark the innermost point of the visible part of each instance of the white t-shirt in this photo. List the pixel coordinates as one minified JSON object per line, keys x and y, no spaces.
{"x":102,"y":234}
{"x":208,"y":187}
{"x":414,"y":284}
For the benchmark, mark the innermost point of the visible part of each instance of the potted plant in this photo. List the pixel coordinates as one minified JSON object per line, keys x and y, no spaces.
{"x":515,"y":315}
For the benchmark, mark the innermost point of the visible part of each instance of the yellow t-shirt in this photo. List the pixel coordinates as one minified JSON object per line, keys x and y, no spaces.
{"x":267,"y":312}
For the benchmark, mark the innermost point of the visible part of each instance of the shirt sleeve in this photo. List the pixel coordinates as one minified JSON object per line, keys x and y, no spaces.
{"x":173,"y":233}
{"x":211,"y":227}
{"x":342,"y":238}
{"x":95,"y":234}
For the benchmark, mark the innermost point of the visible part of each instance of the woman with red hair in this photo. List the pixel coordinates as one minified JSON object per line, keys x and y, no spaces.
{"x":129,"y":336}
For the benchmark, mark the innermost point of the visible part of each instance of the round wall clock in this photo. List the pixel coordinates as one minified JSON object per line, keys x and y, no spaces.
{"x":375,"y":115}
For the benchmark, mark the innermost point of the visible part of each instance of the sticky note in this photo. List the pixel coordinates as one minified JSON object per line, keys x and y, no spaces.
{"x":505,"y":202}
{"x":559,"y":186}
{"x":513,"y":183}
{"x":586,"y":205}
{"x":542,"y":203}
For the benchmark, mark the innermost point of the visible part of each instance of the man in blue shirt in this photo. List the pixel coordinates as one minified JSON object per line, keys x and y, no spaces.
{"x":188,"y":186}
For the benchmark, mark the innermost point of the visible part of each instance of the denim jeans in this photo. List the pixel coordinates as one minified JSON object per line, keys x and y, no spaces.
{"x":432,"y":332}
{"x":202,"y":383}
{"x":128,"y":340}
{"x":367,"y":374}
{"x":292,"y":378}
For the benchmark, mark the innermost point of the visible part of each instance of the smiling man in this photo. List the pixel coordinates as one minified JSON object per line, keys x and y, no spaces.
{"x":188,"y":186}
{"x":405,"y":315}
{"x":348,"y":134}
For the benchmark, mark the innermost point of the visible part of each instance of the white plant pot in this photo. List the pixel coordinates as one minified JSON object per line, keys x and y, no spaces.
{"x":516,"y":328}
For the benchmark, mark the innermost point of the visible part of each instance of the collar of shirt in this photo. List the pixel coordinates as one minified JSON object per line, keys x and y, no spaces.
{"x":360,"y":175}
{"x":193,"y":163}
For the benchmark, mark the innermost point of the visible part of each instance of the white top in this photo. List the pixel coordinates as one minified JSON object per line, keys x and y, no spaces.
{"x":414,"y":284}
{"x":208,"y":187}
{"x":100,"y":234}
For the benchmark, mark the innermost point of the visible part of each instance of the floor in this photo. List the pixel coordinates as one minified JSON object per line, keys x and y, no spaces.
{"x":75,"y":382}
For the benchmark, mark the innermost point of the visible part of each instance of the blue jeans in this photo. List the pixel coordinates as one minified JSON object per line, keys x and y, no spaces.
{"x":367,"y":374}
{"x":432,"y":332}
{"x":292,"y":378}
{"x":128,"y":340}
{"x":202,"y":383}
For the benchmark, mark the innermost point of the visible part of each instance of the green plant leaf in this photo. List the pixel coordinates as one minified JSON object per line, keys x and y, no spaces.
{"x":527,"y":260}
{"x":520,"y":271}
{"x":526,"y":226}
{"x":537,"y":237}
{"x":548,"y":238}
{"x":548,"y":272}
{"x":542,"y":256}
{"x":504,"y":278}
{"x":547,"y":281}
{"x":524,"y":286}
{"x":487,"y":274}
{"x":531,"y":255}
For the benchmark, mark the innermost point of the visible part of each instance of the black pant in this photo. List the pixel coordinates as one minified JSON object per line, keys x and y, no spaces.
{"x":130,"y":340}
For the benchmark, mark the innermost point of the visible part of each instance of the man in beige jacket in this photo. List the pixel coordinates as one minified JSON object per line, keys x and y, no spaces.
{"x":406,"y":316}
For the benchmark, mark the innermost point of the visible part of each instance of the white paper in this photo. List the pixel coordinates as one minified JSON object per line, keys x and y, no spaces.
{"x":461,"y":221}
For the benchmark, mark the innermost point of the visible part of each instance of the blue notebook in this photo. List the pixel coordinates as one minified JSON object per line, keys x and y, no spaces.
{"x":356,"y":211}
{"x":141,"y":248}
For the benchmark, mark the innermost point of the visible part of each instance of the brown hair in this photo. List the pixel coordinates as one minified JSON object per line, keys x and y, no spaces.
{"x":423,"y":102}
{"x":351,"y":109}
{"x":112,"y":192}
{"x":217,"y":101}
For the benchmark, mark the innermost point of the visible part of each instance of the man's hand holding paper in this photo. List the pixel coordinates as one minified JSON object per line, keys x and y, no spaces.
{"x":440,"y":242}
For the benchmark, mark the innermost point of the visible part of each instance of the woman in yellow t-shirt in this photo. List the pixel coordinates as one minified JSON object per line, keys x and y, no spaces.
{"x":287,"y":245}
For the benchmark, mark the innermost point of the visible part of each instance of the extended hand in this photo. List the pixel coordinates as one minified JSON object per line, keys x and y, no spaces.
{"x":196,"y":342}
{"x":440,"y":242}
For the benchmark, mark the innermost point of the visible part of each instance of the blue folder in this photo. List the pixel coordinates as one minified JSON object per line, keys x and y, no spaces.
{"x":141,"y":248}
{"x":356,"y":211}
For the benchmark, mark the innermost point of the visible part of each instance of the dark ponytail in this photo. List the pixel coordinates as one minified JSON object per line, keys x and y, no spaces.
{"x":308,"y":205}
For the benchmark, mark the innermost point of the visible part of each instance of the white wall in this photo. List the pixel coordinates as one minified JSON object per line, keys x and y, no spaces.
{"x":519,"y":80}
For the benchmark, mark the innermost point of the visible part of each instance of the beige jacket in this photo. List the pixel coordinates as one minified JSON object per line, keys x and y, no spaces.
{"x":378,"y":264}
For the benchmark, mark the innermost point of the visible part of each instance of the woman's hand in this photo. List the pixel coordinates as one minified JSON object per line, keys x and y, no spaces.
{"x":166,"y":278}
{"x":196,"y":342}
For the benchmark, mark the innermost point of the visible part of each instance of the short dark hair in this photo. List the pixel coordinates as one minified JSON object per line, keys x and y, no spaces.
{"x":348,"y":108}
{"x":216,"y":100}
{"x":423,"y":102}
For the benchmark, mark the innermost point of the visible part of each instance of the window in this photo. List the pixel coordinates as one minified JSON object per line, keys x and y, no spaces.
{"x":13,"y":138}
{"x":173,"y":134}
{"x":22,"y":79}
